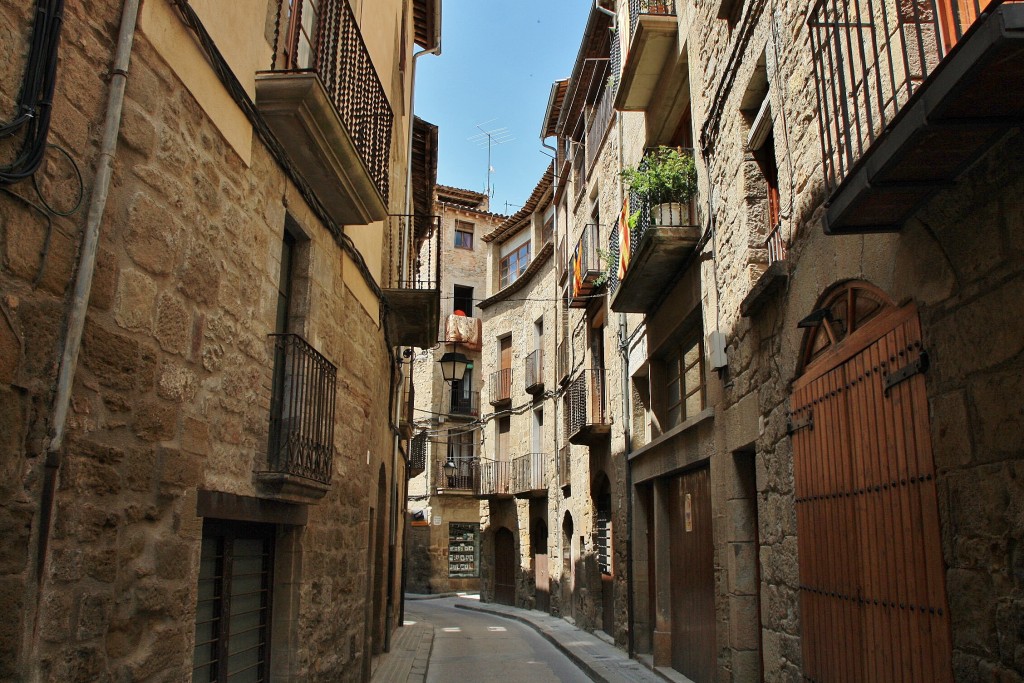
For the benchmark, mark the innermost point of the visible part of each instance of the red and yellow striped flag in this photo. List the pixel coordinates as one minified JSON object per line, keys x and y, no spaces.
{"x":624,"y":236}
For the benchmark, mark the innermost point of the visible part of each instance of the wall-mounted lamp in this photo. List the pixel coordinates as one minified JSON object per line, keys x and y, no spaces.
{"x":449,"y":468}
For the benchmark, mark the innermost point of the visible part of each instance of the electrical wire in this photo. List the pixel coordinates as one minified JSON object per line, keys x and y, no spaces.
{"x":35,"y":99}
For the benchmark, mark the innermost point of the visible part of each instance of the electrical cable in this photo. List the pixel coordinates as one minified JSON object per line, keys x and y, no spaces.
{"x":35,"y":99}
{"x":78,"y":176}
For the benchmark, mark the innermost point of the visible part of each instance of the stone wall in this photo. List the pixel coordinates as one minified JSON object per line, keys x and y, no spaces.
{"x":173,"y":387}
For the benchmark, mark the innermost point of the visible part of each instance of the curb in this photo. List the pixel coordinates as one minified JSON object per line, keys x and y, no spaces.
{"x":438,"y":596}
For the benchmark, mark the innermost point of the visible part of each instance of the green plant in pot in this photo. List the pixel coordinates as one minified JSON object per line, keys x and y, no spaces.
{"x":668,"y":178}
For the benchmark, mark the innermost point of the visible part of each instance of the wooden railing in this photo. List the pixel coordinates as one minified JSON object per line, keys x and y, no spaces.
{"x":585,"y":402}
{"x":528,"y":473}
{"x":501,"y":385}
{"x":494,"y":478}
{"x":535,"y":369}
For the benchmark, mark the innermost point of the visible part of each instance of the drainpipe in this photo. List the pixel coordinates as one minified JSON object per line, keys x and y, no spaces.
{"x":602,"y":10}
{"x":83,"y":282}
{"x":626,"y":394}
{"x":396,"y":413}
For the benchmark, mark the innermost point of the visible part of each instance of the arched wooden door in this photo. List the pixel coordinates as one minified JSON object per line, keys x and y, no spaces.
{"x":872,"y":581}
{"x":504,"y":567}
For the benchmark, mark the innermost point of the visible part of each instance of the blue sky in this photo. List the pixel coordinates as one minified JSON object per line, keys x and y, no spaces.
{"x":497,"y":65}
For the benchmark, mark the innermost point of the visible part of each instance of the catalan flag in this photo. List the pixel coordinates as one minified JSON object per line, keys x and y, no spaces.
{"x":577,"y":275}
{"x":624,"y":237}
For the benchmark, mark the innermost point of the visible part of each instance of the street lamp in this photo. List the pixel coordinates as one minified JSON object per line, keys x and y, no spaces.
{"x":453,"y":366}
{"x":449,"y":468}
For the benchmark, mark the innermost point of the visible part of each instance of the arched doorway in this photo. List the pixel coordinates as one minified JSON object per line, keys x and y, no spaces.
{"x":541,"y":578}
{"x":872,"y":581}
{"x":504,"y":567}
{"x":568,"y":580}
{"x":605,"y":553}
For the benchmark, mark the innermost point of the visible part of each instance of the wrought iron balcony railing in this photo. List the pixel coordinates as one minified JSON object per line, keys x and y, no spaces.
{"x":494,"y":478}
{"x":417,"y":454}
{"x":323,"y":37}
{"x":665,"y":8}
{"x":585,"y":406}
{"x":501,"y":386}
{"x":412,"y":279}
{"x":562,"y":360}
{"x":870,"y":57}
{"x":463,"y":479}
{"x":302,"y":403}
{"x":528,"y":473}
{"x":564,"y":465}
{"x":535,"y":371}
{"x":585,"y":266}
{"x":462,"y":403}
{"x":776,"y":245}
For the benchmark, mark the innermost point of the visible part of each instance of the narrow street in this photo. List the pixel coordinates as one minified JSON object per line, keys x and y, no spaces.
{"x":470,"y":646}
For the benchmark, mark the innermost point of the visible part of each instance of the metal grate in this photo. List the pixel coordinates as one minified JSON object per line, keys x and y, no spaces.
{"x":301,"y":410}
{"x":495,"y":478}
{"x":418,"y":452}
{"x":564,"y":465}
{"x":535,"y":369}
{"x":463,"y":403}
{"x":528,"y":473}
{"x":323,"y":37}
{"x":870,"y":57}
{"x":460,"y":450}
{"x":501,"y":385}
{"x":414,"y":258}
{"x":665,"y":8}
{"x":585,"y":402}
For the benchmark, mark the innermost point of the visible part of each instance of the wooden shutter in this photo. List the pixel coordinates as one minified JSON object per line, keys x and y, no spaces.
{"x":872,"y":581}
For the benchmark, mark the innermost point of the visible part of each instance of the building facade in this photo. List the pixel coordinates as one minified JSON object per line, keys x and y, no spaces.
{"x":444,"y":532}
{"x":206,"y":288}
{"x":796,"y":388}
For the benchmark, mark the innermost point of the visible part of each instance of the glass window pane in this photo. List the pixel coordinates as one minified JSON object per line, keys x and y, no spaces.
{"x":694,"y":404}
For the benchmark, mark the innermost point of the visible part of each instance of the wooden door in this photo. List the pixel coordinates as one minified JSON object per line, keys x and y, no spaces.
{"x":505,"y":374}
{"x":504,"y":567}
{"x":872,"y":581}
{"x":541,"y":578}
{"x":692,"y":563}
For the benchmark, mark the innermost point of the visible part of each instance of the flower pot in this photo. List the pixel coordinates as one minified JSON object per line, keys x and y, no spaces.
{"x":670,"y":214}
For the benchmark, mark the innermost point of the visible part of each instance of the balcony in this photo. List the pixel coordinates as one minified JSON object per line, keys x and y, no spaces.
{"x":653,"y":41}
{"x":300,"y":449}
{"x":564,"y":466}
{"x":528,"y":480}
{"x":501,"y":387}
{"x":909,"y":99}
{"x":463,"y":404}
{"x":412,"y":278}
{"x":494,"y":479}
{"x":562,"y":360}
{"x":562,"y":262}
{"x":656,"y":248}
{"x":535,"y":372}
{"x":773,"y":278}
{"x":585,"y":267}
{"x":324,"y":103}
{"x":417,"y":455}
{"x":408,"y":407}
{"x":463,"y":481}
{"x":585,"y":408}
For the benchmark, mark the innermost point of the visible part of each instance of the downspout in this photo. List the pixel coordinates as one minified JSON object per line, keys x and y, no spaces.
{"x":606,"y":12}
{"x":397,"y":405}
{"x":626,"y":394}
{"x":83,"y":283}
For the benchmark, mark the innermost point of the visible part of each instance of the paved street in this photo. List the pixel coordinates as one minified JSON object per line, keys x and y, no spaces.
{"x":470,"y":646}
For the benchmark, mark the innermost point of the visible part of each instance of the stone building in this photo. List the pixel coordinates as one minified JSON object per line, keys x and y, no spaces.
{"x":444,"y":532}
{"x":821,"y":445}
{"x":199,"y":376}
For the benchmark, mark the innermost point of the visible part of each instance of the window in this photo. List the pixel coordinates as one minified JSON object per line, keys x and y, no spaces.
{"x":684,"y":382}
{"x":514,"y":265}
{"x":464,"y":235}
{"x":462,"y":300}
{"x":232,"y":624}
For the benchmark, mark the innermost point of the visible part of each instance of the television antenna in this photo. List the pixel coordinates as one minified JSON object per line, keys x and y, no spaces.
{"x":490,"y":137}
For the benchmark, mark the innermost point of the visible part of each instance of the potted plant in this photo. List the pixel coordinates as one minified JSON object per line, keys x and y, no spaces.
{"x":668,"y":178}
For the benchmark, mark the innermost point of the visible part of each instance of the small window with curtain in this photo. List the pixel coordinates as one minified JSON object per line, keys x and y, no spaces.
{"x":464,"y":235}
